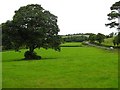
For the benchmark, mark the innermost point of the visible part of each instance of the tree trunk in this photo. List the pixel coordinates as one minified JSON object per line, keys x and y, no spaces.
{"x":31,"y":49}
{"x":31,"y":54}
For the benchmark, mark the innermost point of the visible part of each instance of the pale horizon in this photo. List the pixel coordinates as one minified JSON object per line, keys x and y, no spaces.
{"x":74,"y":16}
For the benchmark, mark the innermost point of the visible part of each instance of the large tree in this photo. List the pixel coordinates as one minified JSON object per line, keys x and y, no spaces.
{"x":32,"y":27}
{"x":113,"y":15}
{"x":92,"y":38}
{"x":100,"y":38}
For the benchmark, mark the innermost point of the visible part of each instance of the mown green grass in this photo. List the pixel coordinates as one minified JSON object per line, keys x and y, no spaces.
{"x":71,"y":44}
{"x":108,"y":41}
{"x":73,"y":67}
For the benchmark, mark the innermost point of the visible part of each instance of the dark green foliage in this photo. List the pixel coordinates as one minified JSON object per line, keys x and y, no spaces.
{"x":100,"y":38}
{"x":116,"y":40}
{"x":112,"y":24}
{"x":92,"y":38}
{"x":111,"y":35}
{"x":32,"y":27}
{"x":119,"y":37}
{"x":115,"y":14}
{"x":115,"y":6}
{"x":73,"y":38}
{"x":6,"y":39}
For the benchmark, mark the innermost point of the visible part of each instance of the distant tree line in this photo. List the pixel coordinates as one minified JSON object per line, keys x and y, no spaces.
{"x":79,"y":34}
{"x":74,"y":38}
{"x":93,"y":38}
{"x":99,"y":38}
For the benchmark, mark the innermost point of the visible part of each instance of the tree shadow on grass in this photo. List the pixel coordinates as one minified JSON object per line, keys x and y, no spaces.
{"x":48,"y":58}
{"x":13,"y":60}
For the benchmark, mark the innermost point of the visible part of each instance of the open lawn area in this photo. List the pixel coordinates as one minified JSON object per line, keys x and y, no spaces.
{"x":73,"y":67}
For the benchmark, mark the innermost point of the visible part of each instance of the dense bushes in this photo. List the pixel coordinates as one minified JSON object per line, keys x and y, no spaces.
{"x":99,"y":38}
{"x":73,"y":38}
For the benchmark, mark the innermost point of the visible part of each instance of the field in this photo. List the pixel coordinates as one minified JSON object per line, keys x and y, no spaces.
{"x":71,"y":44}
{"x":73,"y":67}
{"x":108,"y":41}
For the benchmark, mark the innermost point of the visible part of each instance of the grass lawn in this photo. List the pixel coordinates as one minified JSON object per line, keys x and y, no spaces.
{"x":108,"y":41}
{"x":72,"y":44}
{"x":73,"y":67}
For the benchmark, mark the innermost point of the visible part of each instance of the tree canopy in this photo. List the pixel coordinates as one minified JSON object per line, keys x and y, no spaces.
{"x":112,"y":16}
{"x":100,"y":38}
{"x":92,"y":38}
{"x":32,"y":27}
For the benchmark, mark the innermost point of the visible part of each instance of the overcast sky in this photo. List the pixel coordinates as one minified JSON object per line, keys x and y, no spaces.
{"x":74,"y":16}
